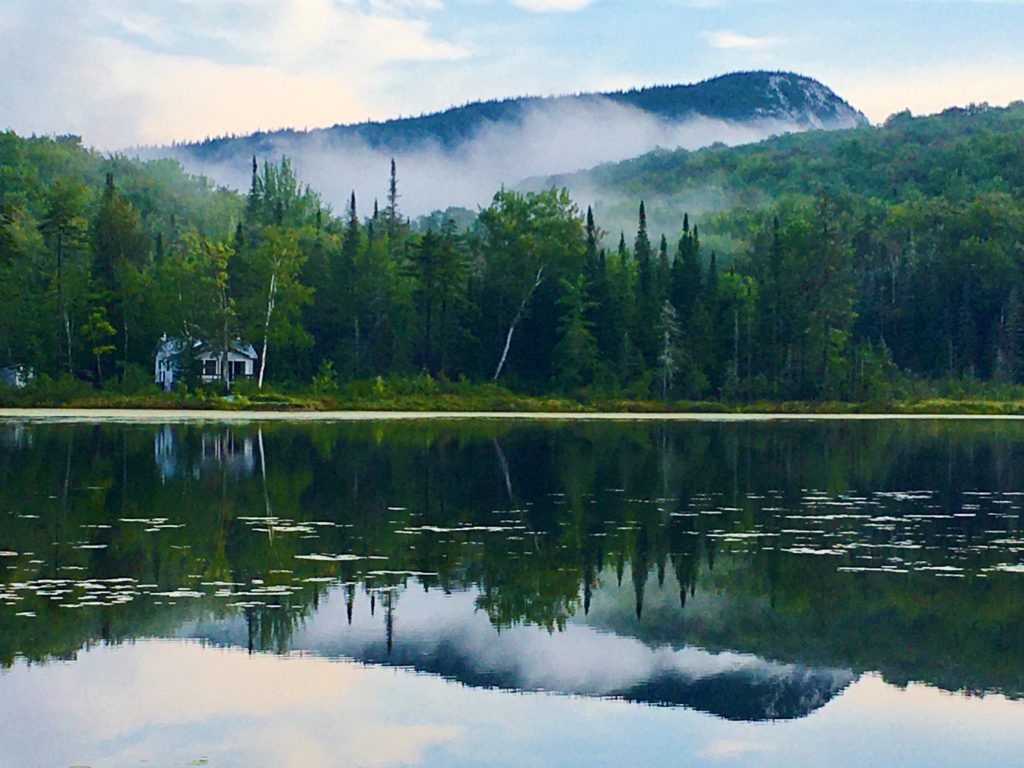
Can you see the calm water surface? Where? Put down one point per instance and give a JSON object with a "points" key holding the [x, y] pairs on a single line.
{"points": [[512, 593]]}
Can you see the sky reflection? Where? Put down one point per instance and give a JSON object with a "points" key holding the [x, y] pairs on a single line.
{"points": [[169, 703]]}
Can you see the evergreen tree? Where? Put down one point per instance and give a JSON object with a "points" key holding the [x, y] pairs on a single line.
{"points": [[590, 252], [645, 314], [119, 249], [576, 353], [664, 274], [65, 230]]}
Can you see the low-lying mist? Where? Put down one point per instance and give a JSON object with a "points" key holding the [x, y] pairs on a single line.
{"points": [[552, 138]]}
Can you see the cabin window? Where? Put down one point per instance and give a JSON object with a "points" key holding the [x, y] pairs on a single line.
{"points": [[237, 369], [209, 367]]}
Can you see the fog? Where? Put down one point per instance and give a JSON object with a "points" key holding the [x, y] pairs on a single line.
{"points": [[553, 137]]}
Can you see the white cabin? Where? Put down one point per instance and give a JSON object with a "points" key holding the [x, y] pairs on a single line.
{"points": [[241, 361], [17, 376]]}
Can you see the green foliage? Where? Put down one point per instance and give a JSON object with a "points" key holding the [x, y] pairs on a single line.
{"points": [[872, 265], [576, 353], [136, 381], [326, 380]]}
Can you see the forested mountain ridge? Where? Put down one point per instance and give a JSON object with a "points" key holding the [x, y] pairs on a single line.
{"points": [[956, 154], [860, 265], [738, 97], [459, 156]]}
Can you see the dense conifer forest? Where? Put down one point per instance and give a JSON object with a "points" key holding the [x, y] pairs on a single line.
{"points": [[855, 265]]}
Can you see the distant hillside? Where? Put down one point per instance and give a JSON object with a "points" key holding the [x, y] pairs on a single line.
{"points": [[739, 97], [956, 154], [461, 155]]}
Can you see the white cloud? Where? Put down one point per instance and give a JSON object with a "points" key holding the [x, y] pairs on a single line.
{"points": [[185, 69], [726, 749], [298, 34], [263, 710], [551, 137], [545, 6], [726, 40]]}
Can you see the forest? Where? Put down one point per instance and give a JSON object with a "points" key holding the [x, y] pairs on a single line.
{"points": [[865, 265]]}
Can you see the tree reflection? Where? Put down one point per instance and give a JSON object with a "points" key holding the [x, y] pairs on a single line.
{"points": [[761, 532]]}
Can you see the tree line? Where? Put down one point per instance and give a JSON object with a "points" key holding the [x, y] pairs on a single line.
{"points": [[830, 295]]}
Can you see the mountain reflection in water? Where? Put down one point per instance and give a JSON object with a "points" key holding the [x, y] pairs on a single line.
{"points": [[751, 571], [444, 634]]}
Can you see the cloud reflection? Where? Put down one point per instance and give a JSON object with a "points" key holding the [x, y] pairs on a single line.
{"points": [[175, 702]]}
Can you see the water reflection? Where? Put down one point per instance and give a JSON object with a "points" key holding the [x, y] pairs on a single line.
{"points": [[212, 450], [443, 634], [174, 704], [750, 571]]}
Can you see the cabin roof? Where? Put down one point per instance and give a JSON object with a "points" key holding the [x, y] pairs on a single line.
{"points": [[170, 346]]}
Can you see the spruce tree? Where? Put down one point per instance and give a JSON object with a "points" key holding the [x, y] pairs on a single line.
{"points": [[664, 279], [590, 254], [646, 302], [392, 220], [576, 352]]}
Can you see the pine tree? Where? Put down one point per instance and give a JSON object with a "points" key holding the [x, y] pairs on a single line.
{"points": [[646, 301], [664, 279], [590, 254], [391, 216], [120, 248], [686, 273], [576, 352]]}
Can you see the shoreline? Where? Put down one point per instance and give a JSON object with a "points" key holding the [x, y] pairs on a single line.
{"points": [[157, 416]]}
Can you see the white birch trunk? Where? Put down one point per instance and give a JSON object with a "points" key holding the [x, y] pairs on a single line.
{"points": [[225, 343], [515, 321], [266, 327]]}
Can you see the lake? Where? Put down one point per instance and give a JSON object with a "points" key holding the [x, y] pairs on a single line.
{"points": [[512, 592]]}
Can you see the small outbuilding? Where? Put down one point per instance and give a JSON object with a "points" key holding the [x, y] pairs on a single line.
{"points": [[17, 376], [169, 364]]}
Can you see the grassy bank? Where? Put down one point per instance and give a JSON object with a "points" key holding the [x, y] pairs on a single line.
{"points": [[423, 394]]}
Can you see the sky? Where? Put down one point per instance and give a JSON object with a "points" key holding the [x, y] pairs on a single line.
{"points": [[124, 73]]}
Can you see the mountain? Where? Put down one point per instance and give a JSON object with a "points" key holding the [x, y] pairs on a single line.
{"points": [[447, 635], [462, 155], [957, 154], [739, 97]]}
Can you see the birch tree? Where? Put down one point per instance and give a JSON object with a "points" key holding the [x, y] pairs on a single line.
{"points": [[194, 299], [528, 239], [275, 313], [65, 229]]}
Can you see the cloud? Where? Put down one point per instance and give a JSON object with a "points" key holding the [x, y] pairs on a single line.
{"points": [[726, 40], [726, 749], [183, 69], [551, 137], [295, 34], [546, 6], [169, 702]]}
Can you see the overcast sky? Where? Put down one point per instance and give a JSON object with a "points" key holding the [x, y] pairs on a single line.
{"points": [[127, 72]]}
